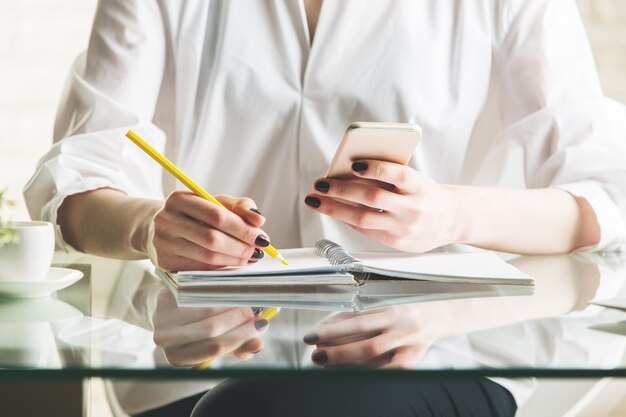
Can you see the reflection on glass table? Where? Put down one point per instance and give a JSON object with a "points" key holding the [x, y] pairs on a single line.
{"points": [[140, 331], [28, 328]]}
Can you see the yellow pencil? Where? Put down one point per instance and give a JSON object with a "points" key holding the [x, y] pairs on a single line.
{"points": [[182, 177], [266, 314]]}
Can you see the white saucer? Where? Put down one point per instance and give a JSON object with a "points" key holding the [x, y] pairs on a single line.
{"points": [[56, 279]]}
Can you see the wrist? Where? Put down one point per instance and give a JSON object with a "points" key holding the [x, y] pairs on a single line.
{"points": [[461, 227], [143, 228]]}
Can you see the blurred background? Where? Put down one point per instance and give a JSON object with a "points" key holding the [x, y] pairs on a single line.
{"points": [[40, 39]]}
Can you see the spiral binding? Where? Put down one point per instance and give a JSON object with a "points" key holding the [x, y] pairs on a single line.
{"points": [[337, 255]]}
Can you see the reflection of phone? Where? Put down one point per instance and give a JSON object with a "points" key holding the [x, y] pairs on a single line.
{"points": [[391, 142]]}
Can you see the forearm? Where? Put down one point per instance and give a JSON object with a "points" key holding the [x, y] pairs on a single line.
{"points": [[562, 284], [534, 221], [107, 222]]}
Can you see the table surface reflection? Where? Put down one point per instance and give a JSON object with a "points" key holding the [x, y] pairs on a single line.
{"points": [[106, 325]]}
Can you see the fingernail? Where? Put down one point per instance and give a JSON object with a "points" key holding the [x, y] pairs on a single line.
{"points": [[254, 353], [256, 211], [322, 186], [320, 357], [252, 261], [311, 338], [262, 241], [359, 166], [312, 201], [261, 324], [258, 253], [256, 310]]}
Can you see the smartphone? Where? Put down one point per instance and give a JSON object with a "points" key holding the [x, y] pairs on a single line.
{"points": [[392, 142]]}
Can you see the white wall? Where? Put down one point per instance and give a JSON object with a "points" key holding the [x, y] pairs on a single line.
{"points": [[40, 38], [606, 25]]}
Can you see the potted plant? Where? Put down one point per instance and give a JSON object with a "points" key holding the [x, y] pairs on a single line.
{"points": [[7, 234]]}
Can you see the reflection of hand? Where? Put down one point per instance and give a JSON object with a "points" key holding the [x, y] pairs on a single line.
{"points": [[394, 337], [193, 335], [418, 214], [191, 233]]}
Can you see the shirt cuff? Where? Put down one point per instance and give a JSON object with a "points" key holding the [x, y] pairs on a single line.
{"points": [[50, 210]]}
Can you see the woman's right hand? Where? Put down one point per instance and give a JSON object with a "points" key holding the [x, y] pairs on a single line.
{"points": [[191, 233], [189, 336]]}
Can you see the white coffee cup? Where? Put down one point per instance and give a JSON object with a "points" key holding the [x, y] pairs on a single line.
{"points": [[29, 258]]}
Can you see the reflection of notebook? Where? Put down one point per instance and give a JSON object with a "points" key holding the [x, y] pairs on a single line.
{"points": [[616, 328], [330, 264], [374, 294], [615, 303]]}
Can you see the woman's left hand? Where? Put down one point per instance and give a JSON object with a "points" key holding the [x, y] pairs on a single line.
{"points": [[396, 337], [416, 215]]}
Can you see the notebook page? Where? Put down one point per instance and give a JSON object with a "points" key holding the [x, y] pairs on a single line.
{"points": [[301, 260], [466, 264]]}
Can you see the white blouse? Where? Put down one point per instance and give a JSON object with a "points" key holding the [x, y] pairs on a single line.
{"points": [[235, 94]]}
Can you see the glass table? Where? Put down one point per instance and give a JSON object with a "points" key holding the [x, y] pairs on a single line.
{"points": [[121, 323]]}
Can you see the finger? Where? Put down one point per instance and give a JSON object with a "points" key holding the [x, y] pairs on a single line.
{"points": [[167, 312], [404, 178], [167, 248], [377, 362], [405, 357], [171, 226], [358, 324], [349, 315], [369, 195], [180, 263], [249, 348], [362, 217], [380, 361], [206, 328], [348, 339], [395, 240], [217, 217], [243, 207], [201, 351], [355, 353], [178, 316], [383, 236]]}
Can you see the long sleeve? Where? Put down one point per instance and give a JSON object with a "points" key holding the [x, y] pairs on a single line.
{"points": [[574, 138], [112, 87]]}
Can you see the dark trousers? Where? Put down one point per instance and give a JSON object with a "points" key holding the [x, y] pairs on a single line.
{"points": [[478, 397]]}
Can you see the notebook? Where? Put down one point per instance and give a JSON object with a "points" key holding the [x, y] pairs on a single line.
{"points": [[329, 264], [374, 294], [614, 303]]}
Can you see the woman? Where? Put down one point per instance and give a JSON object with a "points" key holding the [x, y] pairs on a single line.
{"points": [[251, 99]]}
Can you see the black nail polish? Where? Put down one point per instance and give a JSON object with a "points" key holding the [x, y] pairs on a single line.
{"points": [[252, 261], [320, 357], [256, 310], [256, 211], [312, 201], [258, 254], [261, 324], [359, 166], [322, 186], [262, 241], [311, 338], [254, 353]]}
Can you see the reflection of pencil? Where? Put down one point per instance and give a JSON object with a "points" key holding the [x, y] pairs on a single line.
{"points": [[182, 177], [266, 314]]}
